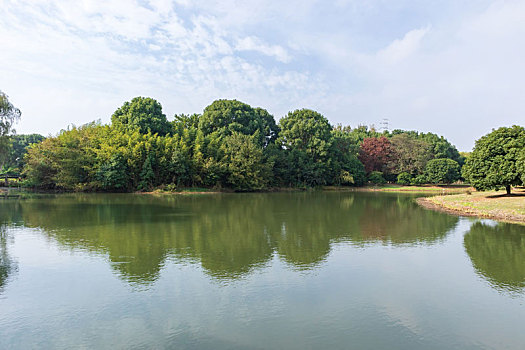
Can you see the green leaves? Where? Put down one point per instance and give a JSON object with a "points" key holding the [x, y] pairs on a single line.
{"points": [[442, 171], [143, 114], [496, 160]]}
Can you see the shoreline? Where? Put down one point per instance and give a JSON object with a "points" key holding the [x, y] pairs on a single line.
{"points": [[471, 206]]}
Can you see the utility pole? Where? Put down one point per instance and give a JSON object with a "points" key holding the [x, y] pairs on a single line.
{"points": [[384, 125]]}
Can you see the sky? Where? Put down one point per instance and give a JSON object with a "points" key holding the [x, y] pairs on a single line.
{"points": [[452, 67]]}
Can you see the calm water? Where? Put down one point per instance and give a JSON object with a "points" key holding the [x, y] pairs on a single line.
{"points": [[256, 271]]}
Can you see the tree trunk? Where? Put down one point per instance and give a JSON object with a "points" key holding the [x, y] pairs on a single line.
{"points": [[508, 189]]}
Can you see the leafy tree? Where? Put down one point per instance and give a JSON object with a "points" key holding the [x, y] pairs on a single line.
{"points": [[9, 115], [228, 116], [438, 146], [19, 144], [306, 135], [377, 154], [494, 161], [345, 166], [246, 167], [113, 174], [442, 170], [147, 176], [404, 178], [412, 154], [143, 114]]}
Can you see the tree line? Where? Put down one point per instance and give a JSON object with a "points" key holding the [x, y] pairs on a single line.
{"points": [[231, 145]]}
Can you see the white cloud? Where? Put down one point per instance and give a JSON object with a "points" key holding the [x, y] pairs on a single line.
{"points": [[455, 69], [403, 48], [254, 44]]}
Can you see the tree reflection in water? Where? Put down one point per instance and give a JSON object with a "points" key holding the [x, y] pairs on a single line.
{"points": [[7, 265], [228, 235], [497, 253]]}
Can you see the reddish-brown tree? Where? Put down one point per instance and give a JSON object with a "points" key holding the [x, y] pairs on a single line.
{"points": [[377, 154]]}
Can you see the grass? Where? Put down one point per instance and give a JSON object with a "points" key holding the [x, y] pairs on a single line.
{"points": [[433, 189], [494, 204]]}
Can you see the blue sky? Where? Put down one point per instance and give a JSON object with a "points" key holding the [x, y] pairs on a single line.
{"points": [[455, 68]]}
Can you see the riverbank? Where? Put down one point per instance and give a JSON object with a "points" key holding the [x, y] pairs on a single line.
{"points": [[431, 189], [491, 205]]}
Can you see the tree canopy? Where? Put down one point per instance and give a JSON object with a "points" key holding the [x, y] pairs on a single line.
{"points": [[229, 116], [9, 115], [494, 161], [143, 114], [230, 145], [442, 170]]}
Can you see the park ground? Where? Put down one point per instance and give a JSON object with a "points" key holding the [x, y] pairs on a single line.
{"points": [[491, 205]]}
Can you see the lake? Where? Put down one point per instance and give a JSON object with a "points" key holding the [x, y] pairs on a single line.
{"points": [[307, 270]]}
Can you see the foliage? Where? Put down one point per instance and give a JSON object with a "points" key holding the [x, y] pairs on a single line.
{"points": [[246, 167], [377, 154], [306, 137], [18, 149], [143, 114], [442, 170], [404, 178], [230, 145], [412, 154], [494, 161], [376, 177], [228, 116], [9, 115], [419, 180]]}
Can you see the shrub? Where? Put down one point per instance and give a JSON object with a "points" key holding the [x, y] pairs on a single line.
{"points": [[419, 180], [404, 178], [442, 171], [376, 177]]}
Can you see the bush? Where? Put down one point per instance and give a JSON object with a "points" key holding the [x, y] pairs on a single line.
{"points": [[404, 178], [376, 177], [442, 170], [419, 180]]}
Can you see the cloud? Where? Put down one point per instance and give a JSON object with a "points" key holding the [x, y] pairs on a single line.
{"points": [[255, 44], [400, 49], [454, 68]]}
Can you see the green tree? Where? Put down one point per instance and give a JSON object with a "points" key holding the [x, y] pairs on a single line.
{"points": [[9, 115], [442, 170], [306, 135], [113, 174], [412, 154], [247, 168], [19, 144], [494, 161], [143, 114], [228, 116]]}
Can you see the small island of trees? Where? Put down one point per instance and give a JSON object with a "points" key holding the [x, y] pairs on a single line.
{"points": [[233, 145]]}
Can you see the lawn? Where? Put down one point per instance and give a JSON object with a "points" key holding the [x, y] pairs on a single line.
{"points": [[493, 204]]}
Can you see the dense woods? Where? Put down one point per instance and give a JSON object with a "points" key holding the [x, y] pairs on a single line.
{"points": [[231, 145]]}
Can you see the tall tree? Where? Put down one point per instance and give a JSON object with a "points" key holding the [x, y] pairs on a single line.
{"points": [[9, 115], [228, 116], [493, 162], [412, 154], [143, 114], [306, 136], [377, 154]]}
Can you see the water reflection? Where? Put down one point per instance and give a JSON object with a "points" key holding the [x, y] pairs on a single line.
{"points": [[228, 235], [7, 264], [497, 252]]}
